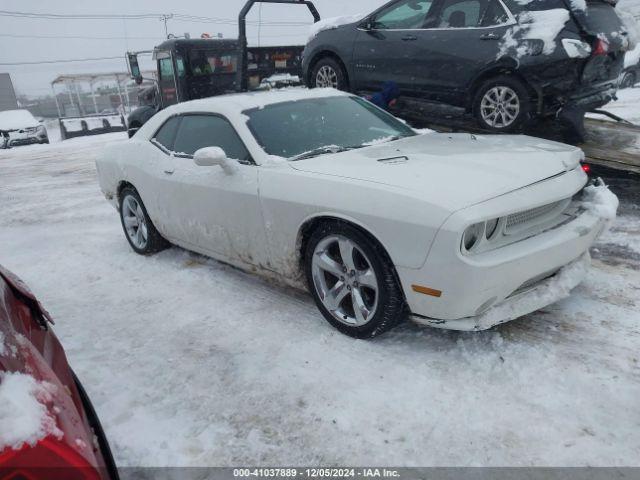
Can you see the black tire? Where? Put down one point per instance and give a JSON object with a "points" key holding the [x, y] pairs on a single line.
{"points": [[514, 85], [628, 80], [154, 242], [332, 65], [391, 307]]}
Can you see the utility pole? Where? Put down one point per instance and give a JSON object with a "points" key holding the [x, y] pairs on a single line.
{"points": [[164, 19]]}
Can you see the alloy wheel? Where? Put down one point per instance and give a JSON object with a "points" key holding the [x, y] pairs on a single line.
{"points": [[326, 77], [500, 107], [344, 280], [134, 222]]}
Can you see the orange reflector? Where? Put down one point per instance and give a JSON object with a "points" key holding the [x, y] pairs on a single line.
{"points": [[426, 290]]}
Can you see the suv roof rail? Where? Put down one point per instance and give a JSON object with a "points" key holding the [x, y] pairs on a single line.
{"points": [[242, 31]]}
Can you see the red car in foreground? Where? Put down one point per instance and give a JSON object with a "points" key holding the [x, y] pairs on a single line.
{"points": [[48, 427]]}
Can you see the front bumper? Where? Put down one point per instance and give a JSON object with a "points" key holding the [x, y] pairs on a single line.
{"points": [[546, 292], [480, 291]]}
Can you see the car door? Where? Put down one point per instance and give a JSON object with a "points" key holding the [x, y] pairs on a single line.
{"points": [[167, 79], [461, 38], [205, 208], [384, 47]]}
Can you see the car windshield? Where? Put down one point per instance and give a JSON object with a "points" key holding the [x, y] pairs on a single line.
{"points": [[307, 128]]}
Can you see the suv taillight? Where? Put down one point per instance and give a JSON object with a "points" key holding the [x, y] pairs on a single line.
{"points": [[600, 47], [49, 459]]}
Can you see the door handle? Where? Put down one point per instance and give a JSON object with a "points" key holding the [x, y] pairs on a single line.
{"points": [[169, 172], [489, 36], [409, 38]]}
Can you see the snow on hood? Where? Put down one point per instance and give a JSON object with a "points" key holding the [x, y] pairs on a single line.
{"points": [[17, 119], [331, 23], [24, 417], [544, 25], [451, 170]]}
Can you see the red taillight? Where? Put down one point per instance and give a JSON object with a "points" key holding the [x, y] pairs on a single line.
{"points": [[600, 47], [49, 459], [586, 168]]}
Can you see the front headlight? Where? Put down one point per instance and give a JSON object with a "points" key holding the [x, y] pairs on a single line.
{"points": [[478, 233], [472, 236]]}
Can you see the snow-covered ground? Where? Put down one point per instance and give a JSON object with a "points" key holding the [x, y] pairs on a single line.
{"points": [[627, 106], [191, 362]]}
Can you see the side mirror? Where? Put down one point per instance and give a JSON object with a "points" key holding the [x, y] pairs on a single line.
{"points": [[134, 67], [367, 25], [211, 156]]}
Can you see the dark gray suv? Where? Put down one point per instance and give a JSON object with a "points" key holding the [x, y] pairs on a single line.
{"points": [[504, 60]]}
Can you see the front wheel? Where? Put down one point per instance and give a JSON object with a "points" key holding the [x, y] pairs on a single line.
{"points": [[502, 104], [138, 228], [352, 281], [328, 73]]}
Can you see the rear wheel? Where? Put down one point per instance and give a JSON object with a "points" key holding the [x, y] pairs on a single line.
{"points": [[628, 80], [328, 73], [502, 104], [138, 228], [352, 281]]}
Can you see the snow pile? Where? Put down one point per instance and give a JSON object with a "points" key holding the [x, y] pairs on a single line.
{"points": [[24, 418], [579, 5], [331, 23], [17, 119], [601, 201], [543, 25]]}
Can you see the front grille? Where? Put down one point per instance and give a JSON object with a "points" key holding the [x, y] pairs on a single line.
{"points": [[531, 217]]}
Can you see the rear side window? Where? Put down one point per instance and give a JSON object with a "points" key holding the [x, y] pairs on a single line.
{"points": [[495, 14], [460, 14], [200, 131], [166, 135], [405, 14]]}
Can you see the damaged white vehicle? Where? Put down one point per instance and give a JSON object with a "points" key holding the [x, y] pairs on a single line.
{"points": [[322, 189]]}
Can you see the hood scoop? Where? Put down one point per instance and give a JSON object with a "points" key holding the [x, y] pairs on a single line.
{"points": [[394, 160]]}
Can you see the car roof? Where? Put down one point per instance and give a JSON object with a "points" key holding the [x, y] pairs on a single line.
{"points": [[239, 102], [15, 119]]}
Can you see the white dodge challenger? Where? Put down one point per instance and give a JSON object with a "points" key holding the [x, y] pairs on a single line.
{"points": [[323, 190]]}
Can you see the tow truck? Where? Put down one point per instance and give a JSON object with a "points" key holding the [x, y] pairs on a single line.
{"points": [[188, 69]]}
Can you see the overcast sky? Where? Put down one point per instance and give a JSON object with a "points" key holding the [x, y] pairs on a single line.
{"points": [[108, 38]]}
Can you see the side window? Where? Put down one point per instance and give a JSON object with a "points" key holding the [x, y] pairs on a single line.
{"points": [[199, 131], [166, 68], [405, 14], [180, 66], [205, 62], [166, 135], [495, 14], [459, 14]]}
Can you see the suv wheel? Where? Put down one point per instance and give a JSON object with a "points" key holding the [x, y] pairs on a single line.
{"points": [[328, 73], [501, 104], [352, 281], [138, 228], [628, 80]]}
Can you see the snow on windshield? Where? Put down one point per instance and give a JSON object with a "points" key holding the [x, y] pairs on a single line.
{"points": [[24, 417], [16, 119], [330, 23], [544, 25]]}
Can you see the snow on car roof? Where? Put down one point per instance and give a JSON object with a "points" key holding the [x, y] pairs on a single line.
{"points": [[16, 119], [239, 102]]}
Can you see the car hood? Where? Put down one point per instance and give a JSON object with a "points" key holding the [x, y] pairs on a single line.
{"points": [[453, 171]]}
